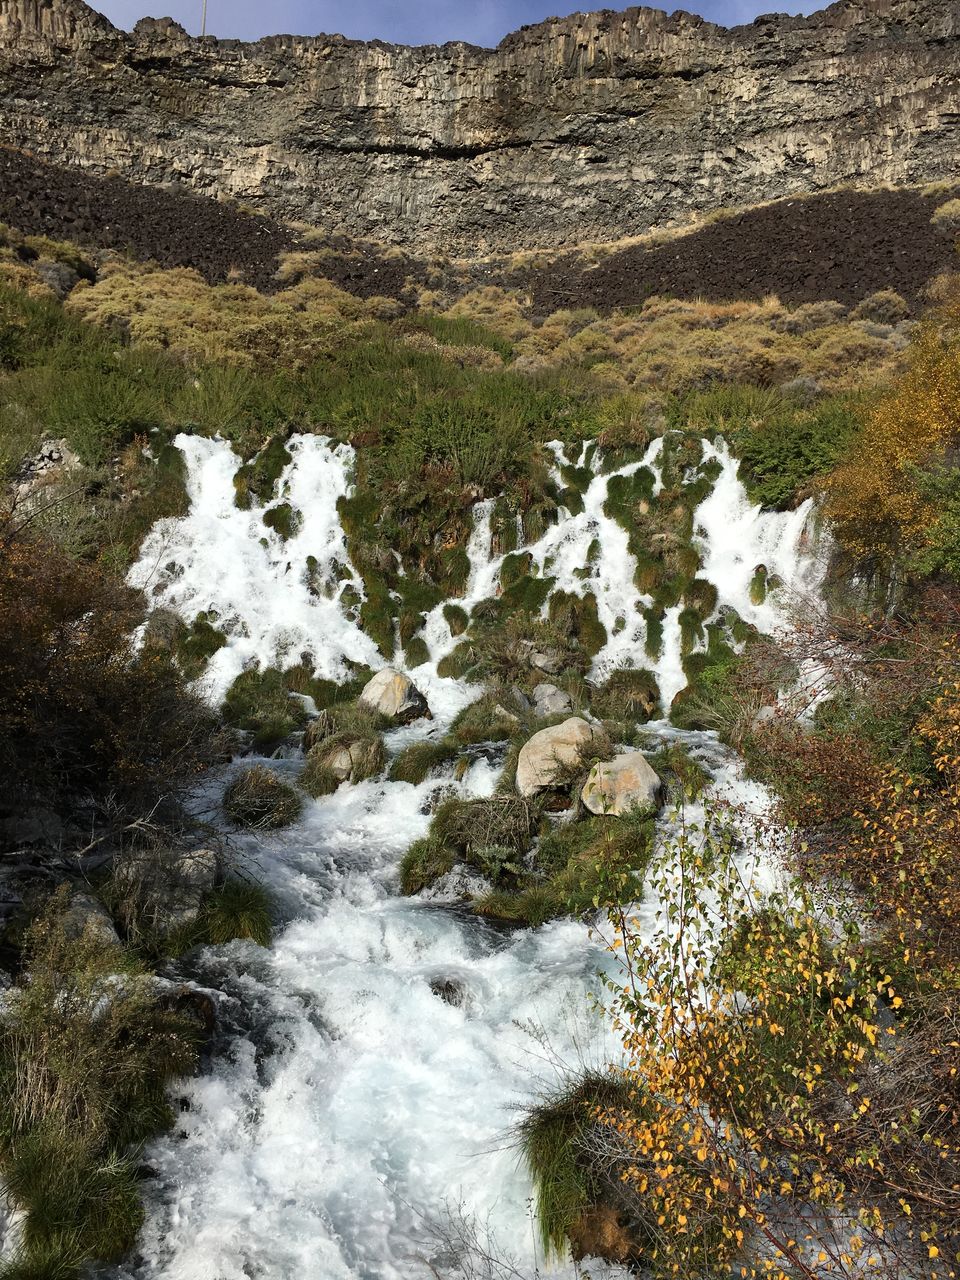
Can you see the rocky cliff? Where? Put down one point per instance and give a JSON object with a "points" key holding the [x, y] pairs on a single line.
{"points": [[594, 126]]}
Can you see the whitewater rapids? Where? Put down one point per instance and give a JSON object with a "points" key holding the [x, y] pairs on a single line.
{"points": [[356, 1123]]}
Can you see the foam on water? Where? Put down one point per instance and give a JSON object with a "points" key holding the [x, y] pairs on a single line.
{"points": [[355, 1116], [226, 562]]}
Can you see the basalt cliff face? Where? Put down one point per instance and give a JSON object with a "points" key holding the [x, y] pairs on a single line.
{"points": [[590, 127]]}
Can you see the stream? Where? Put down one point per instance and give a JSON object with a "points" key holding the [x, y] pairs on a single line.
{"points": [[356, 1123]]}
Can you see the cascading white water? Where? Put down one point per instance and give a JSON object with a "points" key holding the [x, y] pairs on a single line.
{"points": [[357, 1124]]}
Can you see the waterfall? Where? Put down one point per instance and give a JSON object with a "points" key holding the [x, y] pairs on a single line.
{"points": [[355, 1124]]}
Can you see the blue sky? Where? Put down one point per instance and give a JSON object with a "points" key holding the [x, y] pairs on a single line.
{"points": [[403, 21]]}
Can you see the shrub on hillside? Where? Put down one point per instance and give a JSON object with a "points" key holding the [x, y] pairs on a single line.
{"points": [[86, 1054], [82, 720]]}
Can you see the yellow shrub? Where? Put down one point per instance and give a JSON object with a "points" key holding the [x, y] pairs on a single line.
{"points": [[873, 499]]}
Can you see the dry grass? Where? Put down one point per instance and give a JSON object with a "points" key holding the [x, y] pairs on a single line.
{"points": [[178, 309]]}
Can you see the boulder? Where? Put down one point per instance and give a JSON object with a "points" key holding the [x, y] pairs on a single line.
{"points": [[353, 761], [164, 889], [548, 700], [549, 661], [86, 915], [547, 758], [395, 696], [625, 784]]}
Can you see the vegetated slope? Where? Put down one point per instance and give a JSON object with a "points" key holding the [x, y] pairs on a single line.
{"points": [[842, 245]]}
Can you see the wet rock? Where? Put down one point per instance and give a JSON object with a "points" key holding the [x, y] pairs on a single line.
{"points": [[602, 1232], [625, 784], [450, 990], [395, 696], [548, 757], [353, 761], [163, 630], [548, 700], [86, 915]]}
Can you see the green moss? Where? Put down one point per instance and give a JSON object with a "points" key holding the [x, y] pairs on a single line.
{"points": [[526, 594], [515, 567], [459, 664], [377, 615], [555, 1138], [691, 630], [256, 480], [283, 520], [686, 778], [653, 643], [504, 526], [758, 585], [367, 758], [237, 910], [485, 720], [702, 597], [197, 644], [425, 862], [456, 619], [576, 618], [416, 652], [629, 497], [258, 798]]}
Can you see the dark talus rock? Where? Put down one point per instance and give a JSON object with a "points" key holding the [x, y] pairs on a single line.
{"points": [[589, 127]]}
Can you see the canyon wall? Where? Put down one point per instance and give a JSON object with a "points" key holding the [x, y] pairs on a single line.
{"points": [[590, 127]]}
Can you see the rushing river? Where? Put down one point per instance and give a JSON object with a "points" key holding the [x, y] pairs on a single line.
{"points": [[356, 1122]]}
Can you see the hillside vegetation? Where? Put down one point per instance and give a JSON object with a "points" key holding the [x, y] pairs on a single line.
{"points": [[826, 1072]]}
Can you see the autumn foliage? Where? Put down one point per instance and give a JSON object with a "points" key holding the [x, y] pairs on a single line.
{"points": [[882, 501]]}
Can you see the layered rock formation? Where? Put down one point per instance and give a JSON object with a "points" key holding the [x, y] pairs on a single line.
{"points": [[590, 127]]}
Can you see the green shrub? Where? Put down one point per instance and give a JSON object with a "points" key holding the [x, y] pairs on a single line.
{"points": [[257, 798]]}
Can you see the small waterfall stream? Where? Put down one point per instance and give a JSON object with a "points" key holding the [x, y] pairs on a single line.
{"points": [[356, 1125]]}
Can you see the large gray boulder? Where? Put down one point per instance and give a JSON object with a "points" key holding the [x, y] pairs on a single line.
{"points": [[395, 696], [625, 784], [548, 757], [548, 700]]}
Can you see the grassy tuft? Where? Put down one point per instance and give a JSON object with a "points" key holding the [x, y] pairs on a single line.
{"points": [[257, 798]]}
